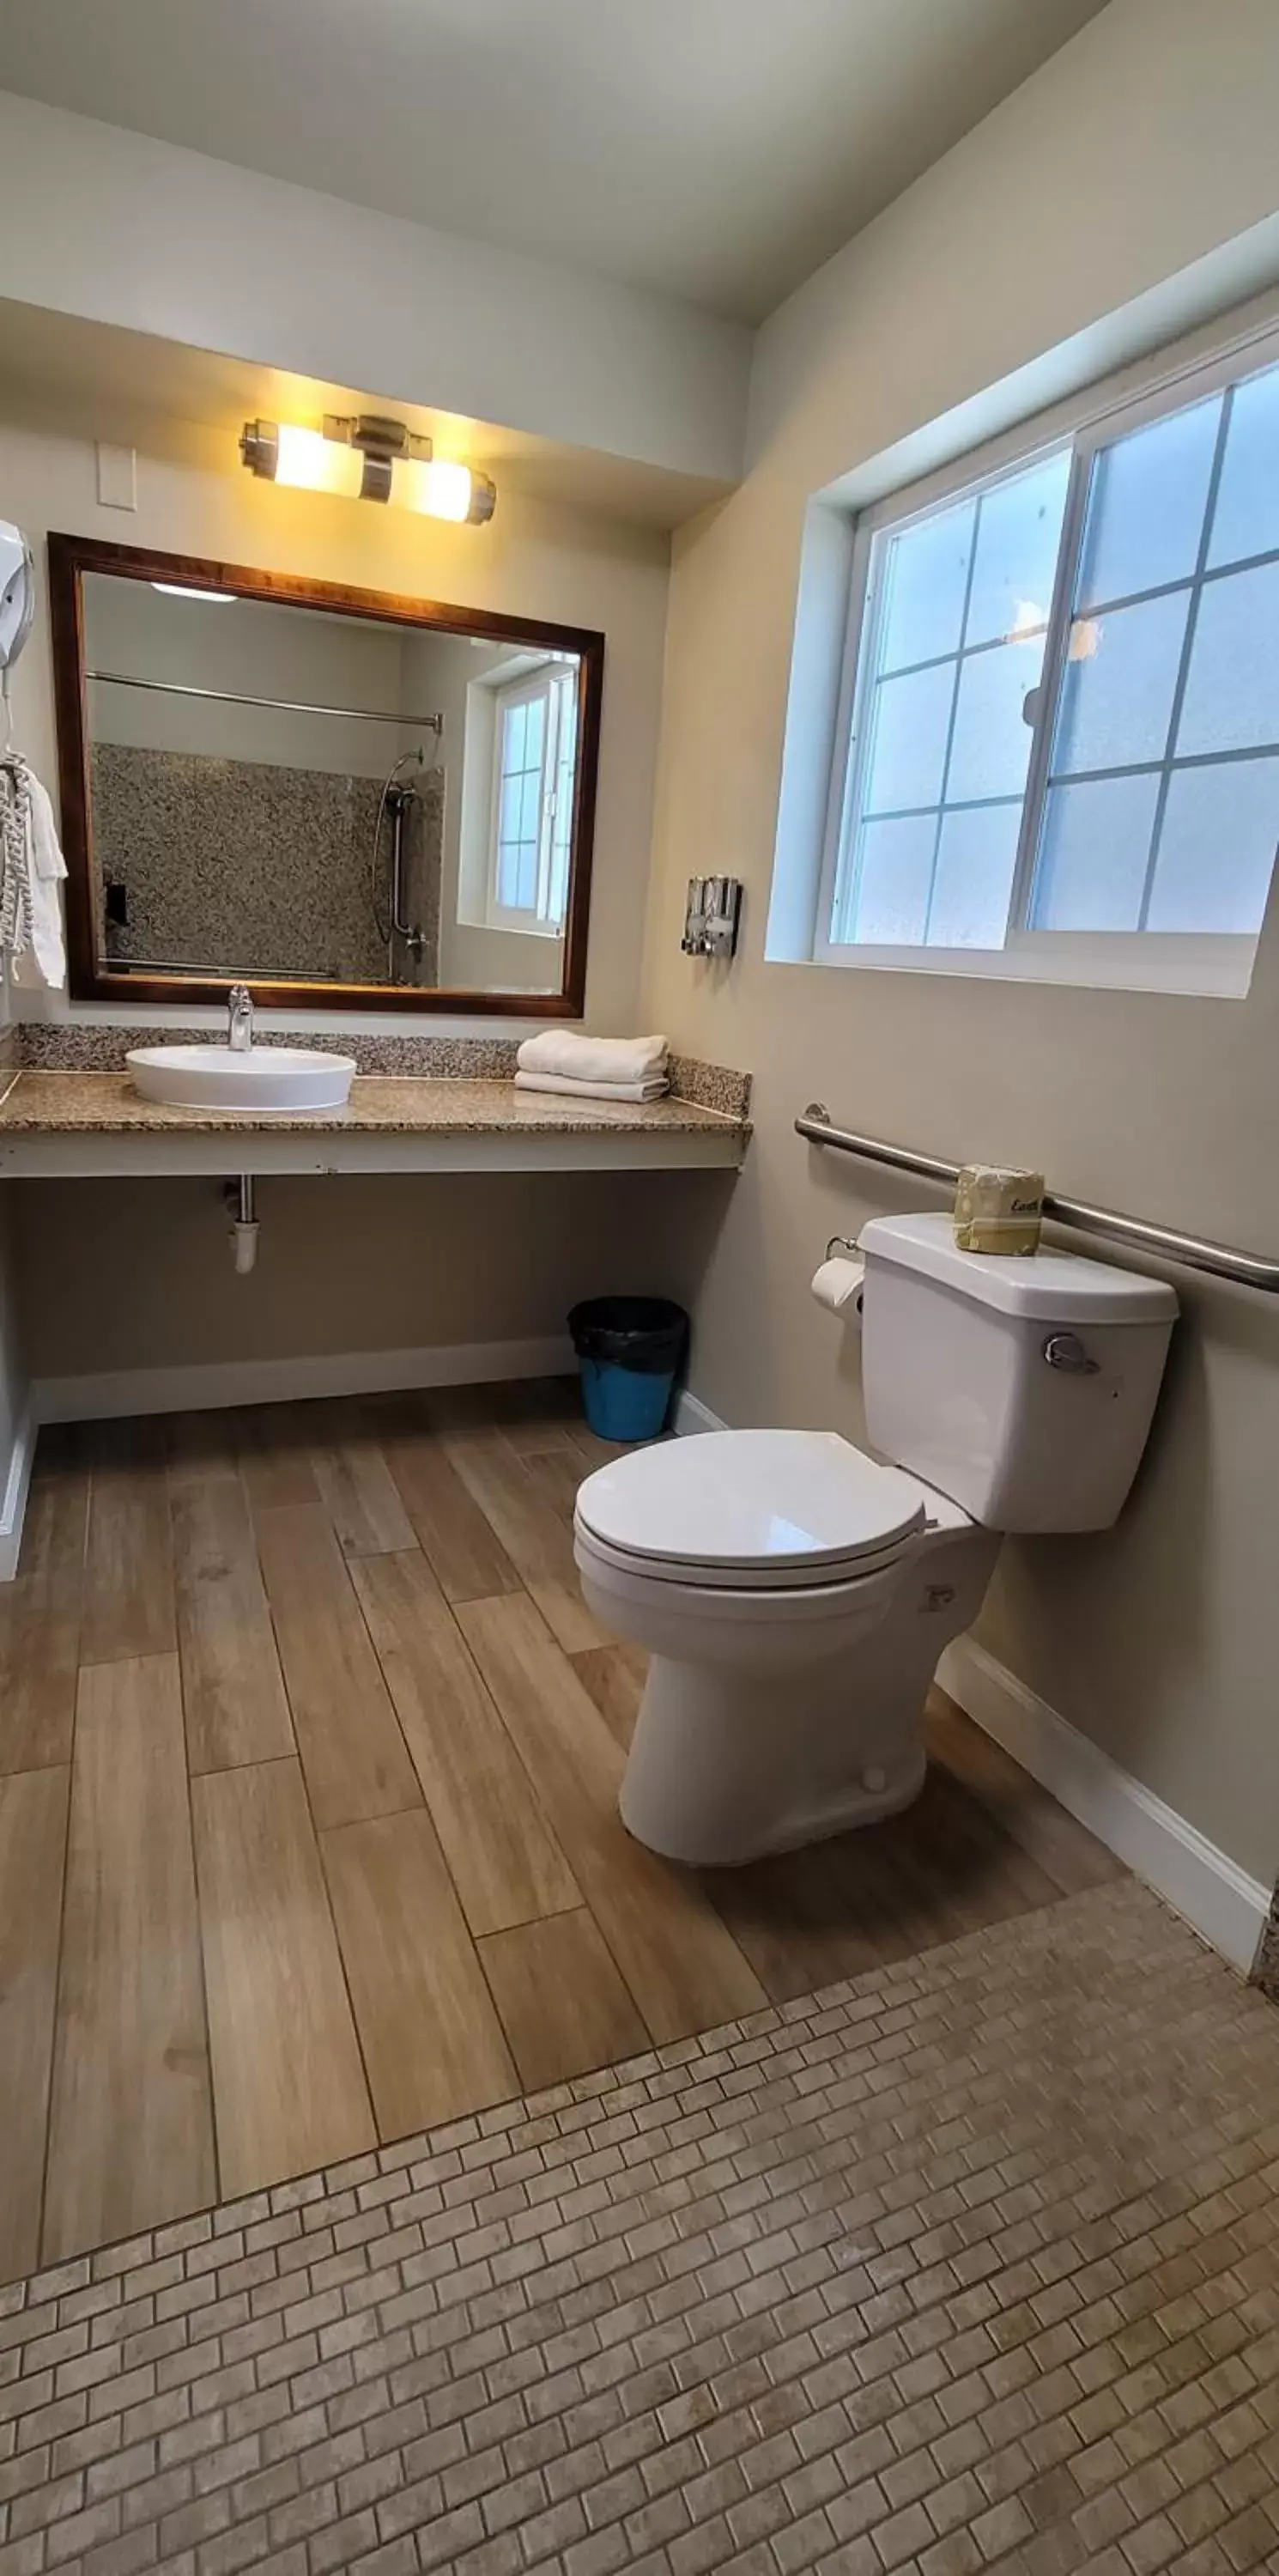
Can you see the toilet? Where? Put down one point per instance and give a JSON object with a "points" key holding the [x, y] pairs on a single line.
{"points": [[794, 1594]]}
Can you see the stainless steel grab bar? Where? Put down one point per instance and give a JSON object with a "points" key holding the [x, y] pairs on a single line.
{"points": [[1247, 1269]]}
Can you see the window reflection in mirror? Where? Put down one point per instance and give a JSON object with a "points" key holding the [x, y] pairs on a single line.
{"points": [[285, 793]]}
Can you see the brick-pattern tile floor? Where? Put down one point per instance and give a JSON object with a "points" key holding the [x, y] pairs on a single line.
{"points": [[969, 2264]]}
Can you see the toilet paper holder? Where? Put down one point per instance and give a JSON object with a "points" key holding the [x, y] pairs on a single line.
{"points": [[840, 1243]]}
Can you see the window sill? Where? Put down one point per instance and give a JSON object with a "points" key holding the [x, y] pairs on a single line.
{"points": [[1216, 968], [510, 924]]}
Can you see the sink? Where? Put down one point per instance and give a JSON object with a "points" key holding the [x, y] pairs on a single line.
{"points": [[259, 1077]]}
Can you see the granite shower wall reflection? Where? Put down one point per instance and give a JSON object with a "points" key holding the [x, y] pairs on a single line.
{"points": [[247, 867]]}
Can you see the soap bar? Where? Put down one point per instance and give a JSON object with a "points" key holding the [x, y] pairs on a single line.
{"points": [[998, 1211]]}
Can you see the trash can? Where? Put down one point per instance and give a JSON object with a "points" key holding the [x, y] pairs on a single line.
{"points": [[630, 1350]]}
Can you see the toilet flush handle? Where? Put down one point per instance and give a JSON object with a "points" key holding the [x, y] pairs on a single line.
{"points": [[1066, 1352]]}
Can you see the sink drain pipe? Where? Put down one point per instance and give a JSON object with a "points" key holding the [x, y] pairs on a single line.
{"points": [[244, 1224]]}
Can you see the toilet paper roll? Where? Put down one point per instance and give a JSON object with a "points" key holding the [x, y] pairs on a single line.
{"points": [[998, 1210], [838, 1285]]}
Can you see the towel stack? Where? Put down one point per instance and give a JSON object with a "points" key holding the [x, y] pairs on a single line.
{"points": [[593, 1068]]}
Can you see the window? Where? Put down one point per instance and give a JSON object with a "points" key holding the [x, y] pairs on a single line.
{"points": [[1059, 751], [534, 762]]}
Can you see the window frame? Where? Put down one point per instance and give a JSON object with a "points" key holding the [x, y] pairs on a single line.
{"points": [[1212, 962], [552, 683]]}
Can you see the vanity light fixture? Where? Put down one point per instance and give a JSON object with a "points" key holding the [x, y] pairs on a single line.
{"points": [[184, 590], [363, 457]]}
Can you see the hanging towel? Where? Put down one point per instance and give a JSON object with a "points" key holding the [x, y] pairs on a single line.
{"points": [[15, 857], [31, 868], [583, 1059], [651, 1090]]}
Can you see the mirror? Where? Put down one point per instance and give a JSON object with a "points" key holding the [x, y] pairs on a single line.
{"points": [[320, 792]]}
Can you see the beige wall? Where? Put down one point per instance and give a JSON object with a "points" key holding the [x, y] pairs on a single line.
{"points": [[138, 1275], [533, 560], [1146, 145]]}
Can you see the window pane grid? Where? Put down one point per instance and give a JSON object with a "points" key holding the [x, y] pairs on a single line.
{"points": [[519, 804], [973, 543], [954, 805], [1187, 649], [1124, 812], [1168, 589], [1155, 768], [534, 797], [1065, 775], [950, 721], [990, 644]]}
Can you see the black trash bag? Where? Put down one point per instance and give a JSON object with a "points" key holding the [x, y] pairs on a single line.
{"points": [[646, 1334]]}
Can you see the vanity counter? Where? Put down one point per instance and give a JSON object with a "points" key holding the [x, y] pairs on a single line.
{"points": [[56, 1125]]}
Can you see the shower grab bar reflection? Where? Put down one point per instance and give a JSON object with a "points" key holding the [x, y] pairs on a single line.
{"points": [[1192, 1251], [278, 706]]}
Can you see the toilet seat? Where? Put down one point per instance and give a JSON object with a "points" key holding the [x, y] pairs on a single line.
{"points": [[751, 1510]]}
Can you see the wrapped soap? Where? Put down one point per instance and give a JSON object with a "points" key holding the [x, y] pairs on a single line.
{"points": [[997, 1210]]}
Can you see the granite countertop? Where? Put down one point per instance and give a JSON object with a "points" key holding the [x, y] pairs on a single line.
{"points": [[107, 1104]]}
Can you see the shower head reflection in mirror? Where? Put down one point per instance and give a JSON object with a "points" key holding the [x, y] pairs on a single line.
{"points": [[379, 799]]}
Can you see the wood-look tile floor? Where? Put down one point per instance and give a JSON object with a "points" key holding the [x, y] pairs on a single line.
{"points": [[309, 1758]]}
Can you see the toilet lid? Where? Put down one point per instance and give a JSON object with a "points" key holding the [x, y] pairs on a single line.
{"points": [[775, 1501]]}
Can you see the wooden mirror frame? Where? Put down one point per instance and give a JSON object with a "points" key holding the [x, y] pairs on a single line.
{"points": [[89, 980]]}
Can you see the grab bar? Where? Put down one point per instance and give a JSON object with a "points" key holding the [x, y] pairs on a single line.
{"points": [[1247, 1269]]}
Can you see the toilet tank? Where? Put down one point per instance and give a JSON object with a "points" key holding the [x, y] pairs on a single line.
{"points": [[1023, 1389]]}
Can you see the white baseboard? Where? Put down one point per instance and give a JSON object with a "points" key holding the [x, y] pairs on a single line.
{"points": [[1201, 1883], [286, 1381], [202, 1389], [13, 1498], [692, 1415]]}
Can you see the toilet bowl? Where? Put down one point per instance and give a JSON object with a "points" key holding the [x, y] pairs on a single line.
{"points": [[793, 1597]]}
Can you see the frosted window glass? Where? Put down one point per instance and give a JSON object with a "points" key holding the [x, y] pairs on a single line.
{"points": [[910, 719], [1217, 848], [1018, 536], [895, 872], [530, 805], [1246, 519], [1092, 861], [975, 864], [1117, 694], [510, 809], [513, 739], [1232, 694], [1146, 506], [991, 746], [925, 578]]}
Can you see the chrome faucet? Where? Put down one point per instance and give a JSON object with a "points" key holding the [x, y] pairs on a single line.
{"points": [[240, 1019]]}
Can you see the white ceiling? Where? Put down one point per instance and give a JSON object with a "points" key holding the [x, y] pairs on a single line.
{"points": [[715, 150]]}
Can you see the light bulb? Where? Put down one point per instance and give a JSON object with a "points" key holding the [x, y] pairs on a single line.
{"points": [[310, 462], [441, 489], [363, 461]]}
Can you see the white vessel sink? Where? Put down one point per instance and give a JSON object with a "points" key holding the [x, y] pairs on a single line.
{"points": [[258, 1077]]}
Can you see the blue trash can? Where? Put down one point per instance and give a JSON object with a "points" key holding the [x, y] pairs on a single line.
{"points": [[630, 1351]]}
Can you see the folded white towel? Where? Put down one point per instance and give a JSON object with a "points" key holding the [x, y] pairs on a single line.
{"points": [[583, 1059], [651, 1090]]}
